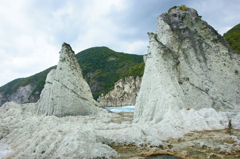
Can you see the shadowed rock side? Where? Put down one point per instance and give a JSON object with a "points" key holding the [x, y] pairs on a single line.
{"points": [[66, 92], [124, 93], [189, 65]]}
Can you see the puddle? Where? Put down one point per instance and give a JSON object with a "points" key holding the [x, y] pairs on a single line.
{"points": [[162, 157], [127, 151]]}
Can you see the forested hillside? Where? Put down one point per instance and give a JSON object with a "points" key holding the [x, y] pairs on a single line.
{"points": [[101, 68], [233, 37], [37, 79], [137, 70]]}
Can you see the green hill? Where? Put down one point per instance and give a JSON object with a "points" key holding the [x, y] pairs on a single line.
{"points": [[37, 79], [137, 70], [104, 66], [233, 37], [101, 68]]}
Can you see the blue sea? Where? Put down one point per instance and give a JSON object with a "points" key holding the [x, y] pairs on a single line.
{"points": [[121, 109]]}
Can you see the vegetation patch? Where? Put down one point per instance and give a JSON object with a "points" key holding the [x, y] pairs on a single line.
{"points": [[108, 64], [183, 8], [96, 95], [233, 38], [37, 79], [174, 7], [137, 70], [123, 94]]}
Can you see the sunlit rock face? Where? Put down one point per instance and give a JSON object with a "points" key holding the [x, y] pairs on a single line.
{"points": [[189, 65], [66, 92], [124, 93]]}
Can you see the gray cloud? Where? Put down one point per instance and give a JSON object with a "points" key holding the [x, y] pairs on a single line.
{"points": [[32, 31]]}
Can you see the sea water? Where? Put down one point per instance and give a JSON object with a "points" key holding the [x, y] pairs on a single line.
{"points": [[121, 109]]}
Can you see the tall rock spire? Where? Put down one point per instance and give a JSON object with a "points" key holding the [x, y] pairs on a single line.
{"points": [[66, 92], [188, 65]]}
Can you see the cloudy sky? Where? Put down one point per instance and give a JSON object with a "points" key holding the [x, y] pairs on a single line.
{"points": [[32, 31]]}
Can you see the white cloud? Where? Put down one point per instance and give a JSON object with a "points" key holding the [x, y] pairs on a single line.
{"points": [[220, 14], [25, 49], [100, 30], [32, 31], [137, 47]]}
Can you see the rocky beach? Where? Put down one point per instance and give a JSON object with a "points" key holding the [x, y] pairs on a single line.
{"points": [[188, 104]]}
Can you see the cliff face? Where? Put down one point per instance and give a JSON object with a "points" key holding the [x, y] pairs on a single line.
{"points": [[124, 93], [93, 83], [189, 65], [34, 97], [20, 96]]}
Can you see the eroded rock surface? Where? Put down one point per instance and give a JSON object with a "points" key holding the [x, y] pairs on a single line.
{"points": [[124, 93], [106, 135], [34, 136], [66, 92], [189, 65]]}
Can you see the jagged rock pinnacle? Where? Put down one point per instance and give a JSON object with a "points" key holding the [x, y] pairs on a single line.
{"points": [[188, 65], [66, 92]]}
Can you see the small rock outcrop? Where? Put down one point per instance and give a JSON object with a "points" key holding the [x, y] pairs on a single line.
{"points": [[124, 93], [189, 65], [66, 92]]}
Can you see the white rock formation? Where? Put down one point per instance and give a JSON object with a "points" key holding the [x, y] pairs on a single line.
{"points": [[235, 121], [34, 136], [160, 109], [66, 92], [188, 65], [4, 149], [124, 93]]}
